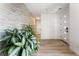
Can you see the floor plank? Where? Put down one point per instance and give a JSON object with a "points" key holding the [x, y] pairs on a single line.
{"points": [[54, 48]]}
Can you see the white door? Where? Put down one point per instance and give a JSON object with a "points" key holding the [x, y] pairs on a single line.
{"points": [[49, 26]]}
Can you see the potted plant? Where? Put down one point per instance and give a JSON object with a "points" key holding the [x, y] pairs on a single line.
{"points": [[19, 42]]}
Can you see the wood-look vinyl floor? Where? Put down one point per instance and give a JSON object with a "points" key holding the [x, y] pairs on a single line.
{"points": [[54, 48]]}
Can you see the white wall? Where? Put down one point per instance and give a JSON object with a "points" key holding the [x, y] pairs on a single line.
{"points": [[13, 15], [74, 27], [49, 28]]}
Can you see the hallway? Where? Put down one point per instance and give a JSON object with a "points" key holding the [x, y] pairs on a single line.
{"points": [[52, 21], [54, 48]]}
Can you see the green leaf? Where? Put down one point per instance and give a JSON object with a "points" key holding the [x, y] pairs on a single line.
{"points": [[19, 36], [5, 38], [4, 49], [23, 40], [26, 44], [9, 31], [11, 49], [23, 52], [31, 43], [29, 49], [15, 30], [13, 39], [15, 52], [34, 38], [36, 46], [27, 52], [19, 44], [34, 41]]}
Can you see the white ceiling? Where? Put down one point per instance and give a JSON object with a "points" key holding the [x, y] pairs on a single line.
{"points": [[37, 8]]}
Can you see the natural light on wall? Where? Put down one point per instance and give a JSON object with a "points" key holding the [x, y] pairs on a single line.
{"points": [[33, 20], [37, 17]]}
